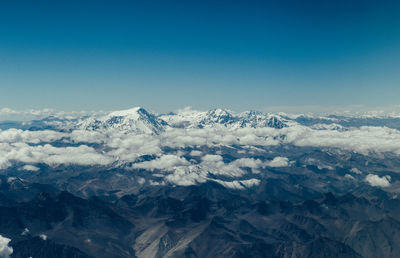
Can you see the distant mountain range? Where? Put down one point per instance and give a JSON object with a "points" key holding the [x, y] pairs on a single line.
{"points": [[200, 184], [139, 120]]}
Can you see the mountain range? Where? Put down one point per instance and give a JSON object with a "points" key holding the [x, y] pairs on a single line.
{"points": [[200, 184]]}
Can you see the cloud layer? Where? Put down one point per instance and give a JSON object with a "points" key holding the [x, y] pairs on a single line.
{"points": [[178, 153]]}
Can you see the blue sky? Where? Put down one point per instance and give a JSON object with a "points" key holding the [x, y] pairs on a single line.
{"points": [[165, 55]]}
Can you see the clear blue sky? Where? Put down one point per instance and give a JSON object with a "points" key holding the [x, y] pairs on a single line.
{"points": [[165, 55]]}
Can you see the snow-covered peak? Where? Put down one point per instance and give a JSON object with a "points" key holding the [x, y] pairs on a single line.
{"points": [[218, 112], [198, 119], [135, 112], [184, 118], [218, 116], [258, 119], [134, 120]]}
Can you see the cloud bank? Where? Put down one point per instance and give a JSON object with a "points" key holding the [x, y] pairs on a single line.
{"points": [[180, 153]]}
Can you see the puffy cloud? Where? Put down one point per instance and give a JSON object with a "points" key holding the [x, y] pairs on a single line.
{"points": [[186, 173], [375, 180], [209, 158], [165, 162], [363, 140], [248, 162], [278, 162], [8, 111], [16, 135], [30, 168], [189, 175], [117, 147], [43, 236], [4, 162], [5, 250], [80, 155], [141, 180], [254, 164], [87, 136], [195, 153], [128, 147], [50, 155], [215, 165], [356, 171]]}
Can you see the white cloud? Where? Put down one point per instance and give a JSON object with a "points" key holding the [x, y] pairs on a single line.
{"points": [[195, 153], [24, 115], [12, 179], [165, 162], [87, 136], [209, 158], [250, 183], [254, 164], [348, 176], [8, 111], [16, 135], [363, 140], [375, 180], [189, 175], [239, 184], [30, 168], [43, 236], [4, 162], [5, 250], [128, 147], [25, 232], [119, 148], [278, 162], [248, 162], [215, 165], [356, 171], [80, 155], [230, 184], [50, 155]]}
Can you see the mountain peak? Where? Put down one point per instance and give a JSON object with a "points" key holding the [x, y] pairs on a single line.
{"points": [[220, 116], [136, 111], [136, 120]]}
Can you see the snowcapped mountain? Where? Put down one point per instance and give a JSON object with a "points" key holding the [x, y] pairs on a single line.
{"points": [[134, 120], [200, 119], [137, 120], [257, 119], [218, 116]]}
